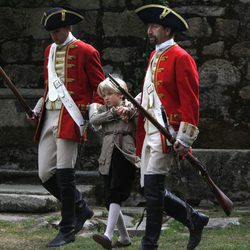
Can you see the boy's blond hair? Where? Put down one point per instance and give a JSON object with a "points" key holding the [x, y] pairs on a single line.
{"points": [[108, 85]]}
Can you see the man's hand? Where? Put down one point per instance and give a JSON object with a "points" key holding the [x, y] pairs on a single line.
{"points": [[180, 149], [33, 119]]}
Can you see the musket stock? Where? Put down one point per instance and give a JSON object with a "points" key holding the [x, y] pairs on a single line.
{"points": [[13, 88], [223, 200]]}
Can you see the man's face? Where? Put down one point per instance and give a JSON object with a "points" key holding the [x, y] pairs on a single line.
{"points": [[157, 34], [59, 35]]}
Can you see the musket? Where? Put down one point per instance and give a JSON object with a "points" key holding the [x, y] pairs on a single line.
{"points": [[223, 200], [13, 88]]}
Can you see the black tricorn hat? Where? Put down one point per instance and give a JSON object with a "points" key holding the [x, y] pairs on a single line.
{"points": [[163, 15], [58, 17]]}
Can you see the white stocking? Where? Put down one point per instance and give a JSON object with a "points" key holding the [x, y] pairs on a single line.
{"points": [[114, 211], [124, 237]]}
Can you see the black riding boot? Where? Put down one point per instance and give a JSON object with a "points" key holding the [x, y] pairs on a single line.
{"points": [[51, 186], [184, 213], [154, 193], [82, 211], [66, 182]]}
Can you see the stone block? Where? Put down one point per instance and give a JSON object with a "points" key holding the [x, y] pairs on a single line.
{"points": [[216, 76], [34, 198], [248, 71], [87, 26], [245, 92], [114, 4], [120, 54], [226, 27], [13, 118], [218, 72], [214, 49], [241, 49], [123, 24], [201, 10], [11, 112], [28, 203], [14, 18], [14, 51], [227, 168], [25, 76], [198, 27]]}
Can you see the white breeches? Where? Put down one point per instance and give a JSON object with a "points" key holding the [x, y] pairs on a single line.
{"points": [[54, 152], [153, 161]]}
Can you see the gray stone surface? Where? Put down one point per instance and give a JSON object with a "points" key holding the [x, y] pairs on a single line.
{"points": [[114, 4], [245, 92], [248, 71], [245, 1], [88, 25], [214, 49], [27, 203], [10, 217], [229, 169], [217, 77], [33, 198], [14, 18], [199, 27], [227, 27], [223, 222], [120, 54], [119, 24], [201, 10], [241, 49], [218, 72], [86, 4], [25, 75], [14, 118], [15, 51]]}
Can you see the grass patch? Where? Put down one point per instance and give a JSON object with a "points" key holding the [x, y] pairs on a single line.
{"points": [[32, 235]]}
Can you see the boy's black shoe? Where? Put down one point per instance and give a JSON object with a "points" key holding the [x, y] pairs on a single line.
{"points": [[103, 240]]}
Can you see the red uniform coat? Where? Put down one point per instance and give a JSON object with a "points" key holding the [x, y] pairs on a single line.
{"points": [[177, 85], [83, 73]]}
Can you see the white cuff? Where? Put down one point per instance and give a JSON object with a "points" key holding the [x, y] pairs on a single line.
{"points": [[37, 109], [187, 134]]}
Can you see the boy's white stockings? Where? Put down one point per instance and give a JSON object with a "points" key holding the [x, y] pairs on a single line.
{"points": [[114, 211], [115, 217], [124, 237]]}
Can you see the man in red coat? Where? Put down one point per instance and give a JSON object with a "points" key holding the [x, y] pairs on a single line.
{"points": [[171, 82], [72, 72]]}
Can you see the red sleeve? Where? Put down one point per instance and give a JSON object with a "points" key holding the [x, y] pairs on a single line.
{"points": [[95, 74], [188, 88]]}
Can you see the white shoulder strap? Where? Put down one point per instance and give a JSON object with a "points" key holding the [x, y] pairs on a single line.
{"points": [[69, 104]]}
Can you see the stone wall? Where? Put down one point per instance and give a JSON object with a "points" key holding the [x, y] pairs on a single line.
{"points": [[218, 39]]}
